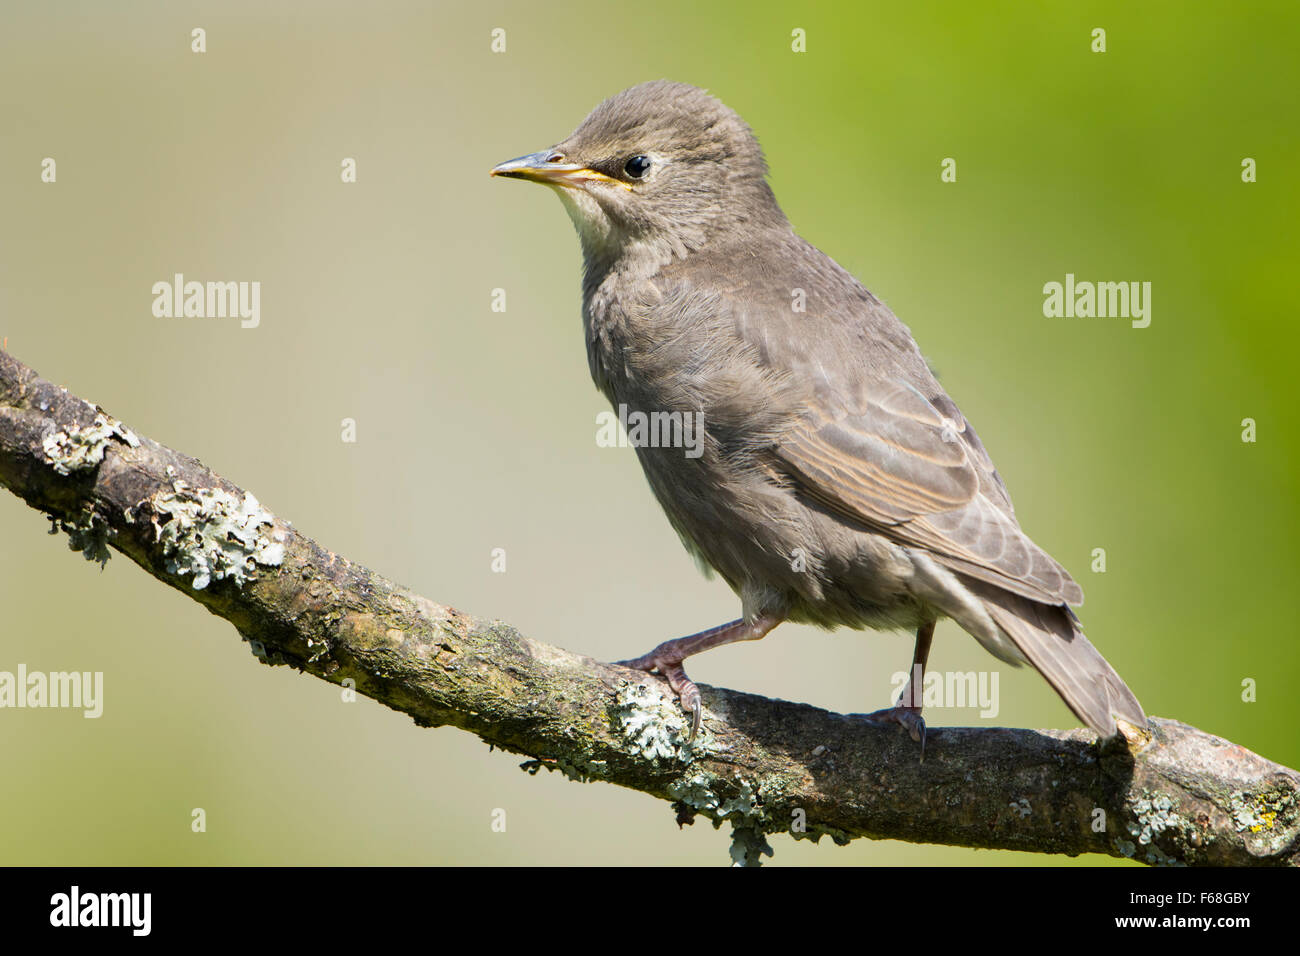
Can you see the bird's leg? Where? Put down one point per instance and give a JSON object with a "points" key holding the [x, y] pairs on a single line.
{"points": [[667, 658], [907, 711]]}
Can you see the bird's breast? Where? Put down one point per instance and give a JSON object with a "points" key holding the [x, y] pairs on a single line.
{"points": [[702, 412]]}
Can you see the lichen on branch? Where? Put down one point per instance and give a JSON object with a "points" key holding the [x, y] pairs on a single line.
{"points": [[1174, 796]]}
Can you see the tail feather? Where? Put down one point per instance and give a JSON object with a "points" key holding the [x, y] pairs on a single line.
{"points": [[1052, 640]]}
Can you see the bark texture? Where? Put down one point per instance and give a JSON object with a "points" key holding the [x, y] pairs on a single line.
{"points": [[1174, 796]]}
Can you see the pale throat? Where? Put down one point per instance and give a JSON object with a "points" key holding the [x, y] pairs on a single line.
{"points": [[600, 238], [604, 242]]}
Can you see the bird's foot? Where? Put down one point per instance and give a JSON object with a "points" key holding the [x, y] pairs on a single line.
{"points": [[909, 718], [675, 674]]}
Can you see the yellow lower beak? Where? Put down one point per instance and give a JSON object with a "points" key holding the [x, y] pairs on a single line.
{"points": [[548, 167]]}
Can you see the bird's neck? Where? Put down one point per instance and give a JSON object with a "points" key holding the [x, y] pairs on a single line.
{"points": [[608, 250]]}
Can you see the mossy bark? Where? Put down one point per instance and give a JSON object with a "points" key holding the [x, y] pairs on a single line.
{"points": [[1173, 795]]}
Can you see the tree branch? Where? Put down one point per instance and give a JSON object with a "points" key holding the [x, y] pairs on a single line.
{"points": [[766, 766]]}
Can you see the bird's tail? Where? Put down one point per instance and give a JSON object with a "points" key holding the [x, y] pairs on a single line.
{"points": [[1052, 640]]}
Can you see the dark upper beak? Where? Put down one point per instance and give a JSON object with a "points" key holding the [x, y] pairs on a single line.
{"points": [[549, 167]]}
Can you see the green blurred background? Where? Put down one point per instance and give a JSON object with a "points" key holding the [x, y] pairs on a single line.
{"points": [[476, 429]]}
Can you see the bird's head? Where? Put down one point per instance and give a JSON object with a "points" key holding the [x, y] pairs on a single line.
{"points": [[660, 168]]}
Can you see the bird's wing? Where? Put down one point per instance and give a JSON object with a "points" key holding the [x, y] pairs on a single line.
{"points": [[880, 442], [911, 467]]}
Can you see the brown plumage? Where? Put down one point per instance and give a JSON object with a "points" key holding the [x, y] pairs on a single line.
{"points": [[838, 484]]}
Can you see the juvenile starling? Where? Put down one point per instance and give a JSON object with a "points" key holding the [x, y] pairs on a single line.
{"points": [[838, 483]]}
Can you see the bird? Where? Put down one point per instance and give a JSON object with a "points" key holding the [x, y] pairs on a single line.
{"points": [[836, 483]]}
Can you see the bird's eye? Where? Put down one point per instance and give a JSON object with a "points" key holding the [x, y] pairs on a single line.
{"points": [[637, 166]]}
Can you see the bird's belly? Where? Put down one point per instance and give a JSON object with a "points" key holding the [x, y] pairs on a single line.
{"points": [[780, 554]]}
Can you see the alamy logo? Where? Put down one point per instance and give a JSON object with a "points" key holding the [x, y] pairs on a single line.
{"points": [[949, 689], [73, 689], [102, 909], [1120, 300], [651, 430], [208, 300]]}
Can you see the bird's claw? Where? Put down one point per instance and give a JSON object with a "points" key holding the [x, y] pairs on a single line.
{"points": [[675, 674], [909, 718]]}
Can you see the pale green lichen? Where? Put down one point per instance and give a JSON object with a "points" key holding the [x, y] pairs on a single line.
{"points": [[696, 791], [89, 534], [749, 824], [1158, 857], [748, 846], [578, 768], [744, 804], [748, 839], [214, 535], [82, 447], [1154, 816], [1157, 814], [1255, 814], [653, 726]]}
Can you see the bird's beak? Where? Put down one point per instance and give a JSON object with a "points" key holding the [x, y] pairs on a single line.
{"points": [[549, 167]]}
